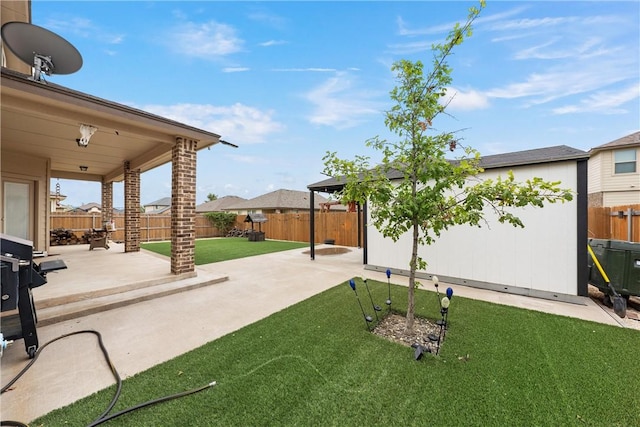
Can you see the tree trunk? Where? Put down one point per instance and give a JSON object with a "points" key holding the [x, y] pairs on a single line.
{"points": [[412, 278]]}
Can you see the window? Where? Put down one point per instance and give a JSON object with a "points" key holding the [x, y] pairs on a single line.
{"points": [[625, 161]]}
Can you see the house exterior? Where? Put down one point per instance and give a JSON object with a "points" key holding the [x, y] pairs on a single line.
{"points": [[279, 201], [92, 207], [219, 204], [614, 172], [547, 258], [158, 206], [55, 202], [40, 130]]}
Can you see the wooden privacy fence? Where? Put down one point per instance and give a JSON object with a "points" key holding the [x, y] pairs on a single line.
{"points": [[615, 223], [342, 227]]}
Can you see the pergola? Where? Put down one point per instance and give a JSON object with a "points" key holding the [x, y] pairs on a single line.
{"points": [[332, 186]]}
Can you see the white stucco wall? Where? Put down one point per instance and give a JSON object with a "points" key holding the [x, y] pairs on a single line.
{"points": [[540, 257]]}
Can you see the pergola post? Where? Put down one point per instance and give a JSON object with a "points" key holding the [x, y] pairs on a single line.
{"points": [[312, 225]]}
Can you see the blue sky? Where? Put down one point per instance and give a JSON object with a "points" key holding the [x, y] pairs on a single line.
{"points": [[289, 81]]}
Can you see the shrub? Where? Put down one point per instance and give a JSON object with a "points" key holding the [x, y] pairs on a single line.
{"points": [[223, 221]]}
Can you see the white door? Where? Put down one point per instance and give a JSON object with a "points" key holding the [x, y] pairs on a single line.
{"points": [[18, 209]]}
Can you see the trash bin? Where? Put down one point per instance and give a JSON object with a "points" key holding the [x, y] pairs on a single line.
{"points": [[620, 261]]}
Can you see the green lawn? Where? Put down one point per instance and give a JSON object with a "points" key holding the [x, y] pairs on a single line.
{"points": [[315, 364], [224, 249]]}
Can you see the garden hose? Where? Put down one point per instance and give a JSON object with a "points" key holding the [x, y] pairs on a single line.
{"points": [[104, 417]]}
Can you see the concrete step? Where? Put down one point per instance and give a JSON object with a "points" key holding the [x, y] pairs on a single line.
{"points": [[79, 305]]}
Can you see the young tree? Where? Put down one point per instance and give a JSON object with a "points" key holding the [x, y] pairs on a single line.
{"points": [[430, 193], [211, 197]]}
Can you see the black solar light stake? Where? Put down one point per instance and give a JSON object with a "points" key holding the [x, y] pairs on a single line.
{"points": [[367, 319], [376, 308], [388, 301]]}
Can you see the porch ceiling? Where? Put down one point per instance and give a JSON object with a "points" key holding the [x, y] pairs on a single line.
{"points": [[43, 120]]}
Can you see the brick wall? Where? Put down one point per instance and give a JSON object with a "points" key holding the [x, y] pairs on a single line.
{"points": [[131, 208], [183, 205], [107, 201]]}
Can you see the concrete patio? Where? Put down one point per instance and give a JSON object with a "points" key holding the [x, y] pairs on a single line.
{"points": [[147, 316]]}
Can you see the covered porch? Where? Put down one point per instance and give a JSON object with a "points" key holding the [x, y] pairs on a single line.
{"points": [[42, 138]]}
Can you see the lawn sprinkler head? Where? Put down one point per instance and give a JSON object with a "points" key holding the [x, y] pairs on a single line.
{"points": [[388, 273], [352, 283], [449, 293]]}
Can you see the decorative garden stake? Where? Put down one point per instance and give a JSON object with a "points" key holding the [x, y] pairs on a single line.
{"points": [[376, 308], [388, 301], [367, 319]]}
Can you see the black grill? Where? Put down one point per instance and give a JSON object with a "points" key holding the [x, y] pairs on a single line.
{"points": [[19, 275]]}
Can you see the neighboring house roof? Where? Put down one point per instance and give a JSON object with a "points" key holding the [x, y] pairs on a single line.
{"points": [[162, 210], [219, 204], [631, 140], [90, 206], [53, 195], [279, 199], [165, 201], [519, 158]]}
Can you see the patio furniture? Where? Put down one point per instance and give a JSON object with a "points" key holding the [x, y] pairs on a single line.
{"points": [[98, 238], [19, 274]]}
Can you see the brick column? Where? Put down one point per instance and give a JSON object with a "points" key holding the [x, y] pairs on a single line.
{"points": [[183, 205], [107, 201], [131, 208]]}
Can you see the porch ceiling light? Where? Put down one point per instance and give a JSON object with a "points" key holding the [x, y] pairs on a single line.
{"points": [[84, 168]]}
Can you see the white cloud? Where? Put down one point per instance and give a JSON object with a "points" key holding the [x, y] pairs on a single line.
{"points": [[83, 27], [235, 69], [605, 102], [272, 43], [269, 19], [465, 100], [570, 78], [303, 70], [409, 47], [238, 123], [207, 40], [338, 104], [587, 49]]}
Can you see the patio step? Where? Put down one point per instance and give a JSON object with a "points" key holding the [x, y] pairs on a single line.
{"points": [[79, 305]]}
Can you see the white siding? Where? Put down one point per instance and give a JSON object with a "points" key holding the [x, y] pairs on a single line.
{"points": [[594, 182], [621, 181], [620, 198], [541, 257], [618, 189]]}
